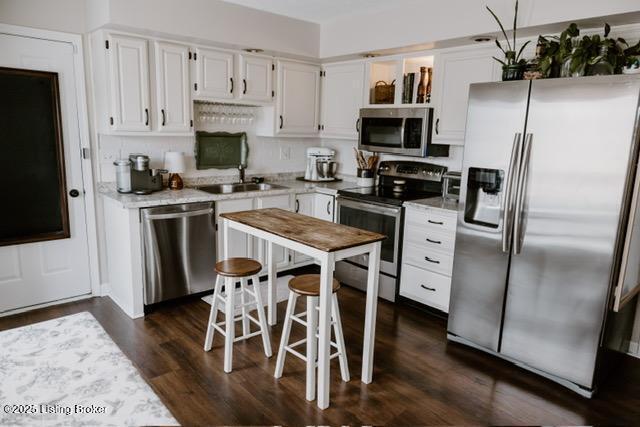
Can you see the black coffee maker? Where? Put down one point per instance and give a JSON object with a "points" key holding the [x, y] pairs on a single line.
{"points": [[143, 179]]}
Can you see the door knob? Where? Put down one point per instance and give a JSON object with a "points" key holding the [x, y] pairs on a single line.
{"points": [[74, 193]]}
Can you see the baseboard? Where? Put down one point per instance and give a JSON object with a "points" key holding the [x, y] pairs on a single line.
{"points": [[46, 304]]}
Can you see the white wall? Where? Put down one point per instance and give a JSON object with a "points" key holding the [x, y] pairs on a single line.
{"points": [[419, 22], [212, 20], [57, 15]]}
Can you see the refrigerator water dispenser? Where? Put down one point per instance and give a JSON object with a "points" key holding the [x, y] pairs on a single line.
{"points": [[484, 197]]}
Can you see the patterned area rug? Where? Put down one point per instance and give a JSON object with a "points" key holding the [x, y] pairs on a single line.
{"points": [[68, 371], [282, 291]]}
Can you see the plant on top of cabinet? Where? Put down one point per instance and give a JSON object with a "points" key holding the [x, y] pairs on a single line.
{"points": [[568, 55], [513, 65]]}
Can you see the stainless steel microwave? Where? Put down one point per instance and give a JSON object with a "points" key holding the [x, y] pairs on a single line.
{"points": [[403, 131]]}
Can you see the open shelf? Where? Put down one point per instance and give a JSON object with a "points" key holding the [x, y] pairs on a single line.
{"points": [[412, 66], [383, 72]]}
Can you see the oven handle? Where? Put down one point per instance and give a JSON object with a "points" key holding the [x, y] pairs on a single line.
{"points": [[370, 207], [404, 122]]}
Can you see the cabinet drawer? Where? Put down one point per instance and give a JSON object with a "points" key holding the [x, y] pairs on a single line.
{"points": [[430, 238], [428, 259], [436, 221], [426, 287]]}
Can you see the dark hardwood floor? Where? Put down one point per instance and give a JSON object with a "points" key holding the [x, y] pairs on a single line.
{"points": [[419, 377]]}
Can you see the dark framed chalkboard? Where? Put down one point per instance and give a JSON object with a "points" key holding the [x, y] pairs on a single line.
{"points": [[35, 196]]}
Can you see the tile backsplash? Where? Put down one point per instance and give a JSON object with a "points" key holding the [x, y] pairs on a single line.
{"points": [[266, 155]]}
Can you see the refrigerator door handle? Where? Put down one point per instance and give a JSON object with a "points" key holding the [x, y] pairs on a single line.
{"points": [[520, 190], [507, 213]]}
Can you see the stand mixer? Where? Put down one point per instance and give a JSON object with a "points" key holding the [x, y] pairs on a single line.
{"points": [[320, 164]]}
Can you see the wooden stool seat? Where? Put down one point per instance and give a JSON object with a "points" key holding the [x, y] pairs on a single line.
{"points": [[231, 271], [238, 267], [309, 285]]}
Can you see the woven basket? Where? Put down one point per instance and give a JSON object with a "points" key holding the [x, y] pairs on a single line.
{"points": [[384, 93]]}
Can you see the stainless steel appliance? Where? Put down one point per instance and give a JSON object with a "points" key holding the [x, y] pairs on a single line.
{"points": [[403, 131], [451, 185], [144, 180], [317, 158], [379, 209], [179, 250], [547, 180]]}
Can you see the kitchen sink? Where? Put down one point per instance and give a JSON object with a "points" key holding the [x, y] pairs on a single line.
{"points": [[239, 188]]}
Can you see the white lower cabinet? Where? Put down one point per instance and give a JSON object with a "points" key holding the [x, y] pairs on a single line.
{"points": [[280, 254], [324, 206], [427, 256], [240, 245]]}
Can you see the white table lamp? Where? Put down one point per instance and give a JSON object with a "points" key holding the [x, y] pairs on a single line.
{"points": [[175, 164]]}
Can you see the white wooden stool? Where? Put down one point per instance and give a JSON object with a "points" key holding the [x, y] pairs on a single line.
{"points": [[309, 285], [233, 270]]}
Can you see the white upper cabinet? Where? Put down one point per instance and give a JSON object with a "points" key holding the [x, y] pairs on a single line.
{"points": [[454, 72], [172, 87], [214, 74], [298, 98], [342, 98], [256, 78], [128, 60]]}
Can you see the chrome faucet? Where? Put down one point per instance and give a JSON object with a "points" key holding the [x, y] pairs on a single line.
{"points": [[241, 170]]}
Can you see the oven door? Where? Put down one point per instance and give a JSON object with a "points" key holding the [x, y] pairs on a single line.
{"points": [[383, 219]]}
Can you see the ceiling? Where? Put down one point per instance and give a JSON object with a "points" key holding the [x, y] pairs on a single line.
{"points": [[318, 11]]}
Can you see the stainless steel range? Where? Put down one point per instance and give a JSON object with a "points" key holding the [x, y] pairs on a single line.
{"points": [[379, 209]]}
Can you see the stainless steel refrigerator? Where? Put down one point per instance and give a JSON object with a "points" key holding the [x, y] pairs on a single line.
{"points": [[545, 244]]}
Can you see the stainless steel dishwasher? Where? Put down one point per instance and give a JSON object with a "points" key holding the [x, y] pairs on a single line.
{"points": [[179, 252]]}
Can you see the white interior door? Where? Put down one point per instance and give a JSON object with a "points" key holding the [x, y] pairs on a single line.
{"points": [[129, 71], [41, 272], [172, 87], [256, 77]]}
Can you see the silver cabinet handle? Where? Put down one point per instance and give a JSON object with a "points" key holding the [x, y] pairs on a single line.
{"points": [[522, 180], [512, 173], [428, 288], [152, 217], [437, 242], [431, 260]]}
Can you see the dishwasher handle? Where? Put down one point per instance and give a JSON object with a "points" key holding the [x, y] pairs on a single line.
{"points": [[152, 217]]}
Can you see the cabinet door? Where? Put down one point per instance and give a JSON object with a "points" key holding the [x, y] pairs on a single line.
{"points": [[129, 74], [172, 87], [324, 206], [256, 78], [298, 98], [454, 73], [342, 98], [214, 74], [240, 245], [280, 254], [304, 206]]}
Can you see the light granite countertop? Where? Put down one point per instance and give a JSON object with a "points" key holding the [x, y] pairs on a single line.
{"points": [[433, 202], [193, 195]]}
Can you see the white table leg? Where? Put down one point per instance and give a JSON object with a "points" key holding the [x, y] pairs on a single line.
{"points": [[225, 238], [370, 314], [271, 286], [324, 325]]}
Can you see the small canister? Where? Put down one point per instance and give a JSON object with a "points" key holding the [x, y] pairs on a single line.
{"points": [[123, 175]]}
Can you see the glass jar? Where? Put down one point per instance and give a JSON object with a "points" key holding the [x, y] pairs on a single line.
{"points": [[602, 67], [123, 175]]}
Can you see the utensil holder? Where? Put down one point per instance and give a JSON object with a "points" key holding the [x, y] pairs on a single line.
{"points": [[366, 178]]}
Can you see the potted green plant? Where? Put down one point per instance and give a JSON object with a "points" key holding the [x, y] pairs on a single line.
{"points": [[555, 51], [513, 65]]}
